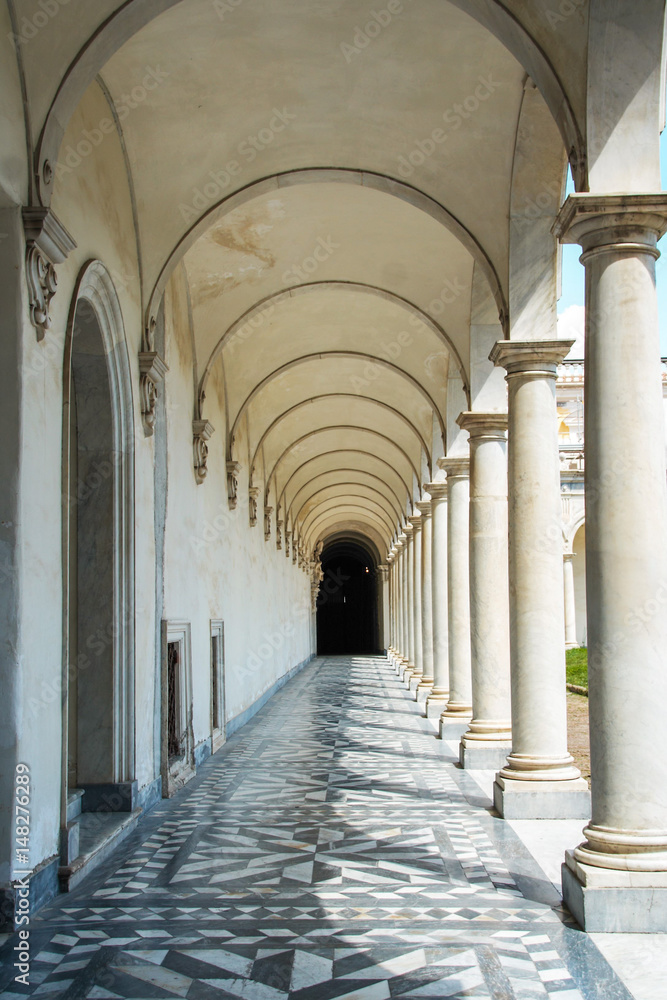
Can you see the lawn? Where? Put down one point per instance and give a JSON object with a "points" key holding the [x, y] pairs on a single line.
{"points": [[576, 661]]}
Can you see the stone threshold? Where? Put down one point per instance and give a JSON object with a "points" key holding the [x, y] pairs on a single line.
{"points": [[100, 834]]}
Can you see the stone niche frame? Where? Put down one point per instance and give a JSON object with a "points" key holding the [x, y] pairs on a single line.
{"points": [[218, 733], [177, 771], [95, 287]]}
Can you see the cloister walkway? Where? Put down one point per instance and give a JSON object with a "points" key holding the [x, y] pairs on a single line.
{"points": [[331, 850]]}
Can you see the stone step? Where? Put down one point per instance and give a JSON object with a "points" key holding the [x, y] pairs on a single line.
{"points": [[74, 797]]}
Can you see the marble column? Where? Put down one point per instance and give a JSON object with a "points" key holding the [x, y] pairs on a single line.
{"points": [[418, 671], [390, 586], [459, 705], [539, 779], [426, 682], [617, 879], [570, 601], [409, 602], [439, 695], [401, 660], [386, 616], [488, 739]]}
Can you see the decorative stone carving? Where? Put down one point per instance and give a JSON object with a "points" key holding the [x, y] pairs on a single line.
{"points": [[202, 431], [233, 469], [279, 535], [295, 550], [253, 497], [268, 511], [47, 243], [288, 535], [152, 370]]}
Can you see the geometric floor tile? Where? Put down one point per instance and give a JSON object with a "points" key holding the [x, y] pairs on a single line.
{"points": [[330, 851]]}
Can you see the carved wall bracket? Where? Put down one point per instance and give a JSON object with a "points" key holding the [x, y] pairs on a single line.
{"points": [[47, 243], [152, 370], [268, 511], [253, 495], [233, 469], [202, 431], [279, 535]]}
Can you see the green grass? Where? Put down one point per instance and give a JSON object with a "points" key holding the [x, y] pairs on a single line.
{"points": [[576, 662]]}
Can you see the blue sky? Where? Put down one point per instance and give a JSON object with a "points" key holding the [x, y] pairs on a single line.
{"points": [[573, 272]]}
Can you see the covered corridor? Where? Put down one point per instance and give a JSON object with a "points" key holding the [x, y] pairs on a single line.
{"points": [[331, 851]]}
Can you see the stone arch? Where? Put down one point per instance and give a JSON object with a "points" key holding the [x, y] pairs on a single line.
{"points": [[134, 15], [98, 543]]}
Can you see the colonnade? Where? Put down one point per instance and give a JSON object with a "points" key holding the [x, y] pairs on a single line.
{"points": [[481, 567]]}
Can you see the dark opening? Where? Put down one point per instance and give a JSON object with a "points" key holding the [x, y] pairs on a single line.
{"points": [[347, 620], [173, 734]]}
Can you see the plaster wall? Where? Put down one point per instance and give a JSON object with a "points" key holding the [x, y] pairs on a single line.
{"points": [[216, 565], [92, 201]]}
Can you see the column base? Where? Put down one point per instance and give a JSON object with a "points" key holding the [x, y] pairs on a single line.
{"points": [[606, 900], [424, 689], [483, 755], [407, 670], [435, 703], [414, 682], [451, 729], [458, 711], [525, 799]]}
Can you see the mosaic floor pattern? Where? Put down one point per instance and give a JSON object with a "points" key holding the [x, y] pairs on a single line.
{"points": [[332, 850]]}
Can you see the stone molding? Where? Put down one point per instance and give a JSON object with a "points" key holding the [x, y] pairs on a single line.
{"points": [[455, 468], [253, 498], [152, 370], [233, 469], [47, 243], [438, 491], [530, 358], [607, 222], [202, 431], [426, 508], [478, 425]]}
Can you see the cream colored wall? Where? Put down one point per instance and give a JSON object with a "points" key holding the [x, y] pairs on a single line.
{"points": [[235, 576], [216, 564]]}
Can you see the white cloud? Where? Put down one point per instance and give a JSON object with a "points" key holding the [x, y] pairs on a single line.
{"points": [[571, 326]]}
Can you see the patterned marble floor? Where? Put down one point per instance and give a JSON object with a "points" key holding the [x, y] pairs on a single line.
{"points": [[331, 850]]}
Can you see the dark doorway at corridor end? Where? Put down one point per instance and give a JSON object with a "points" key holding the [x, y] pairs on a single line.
{"points": [[347, 605]]}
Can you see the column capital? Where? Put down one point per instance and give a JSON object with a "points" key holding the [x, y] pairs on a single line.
{"points": [[401, 542], [408, 531], [384, 570], [479, 425], [425, 507], [456, 468], [416, 522], [613, 221], [526, 357], [438, 491]]}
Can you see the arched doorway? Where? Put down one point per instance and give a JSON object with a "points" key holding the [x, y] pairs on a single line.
{"points": [[347, 605], [98, 549]]}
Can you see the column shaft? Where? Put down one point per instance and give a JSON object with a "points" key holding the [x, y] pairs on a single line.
{"points": [[417, 599], [617, 879], [426, 682], [488, 739], [437, 699], [459, 705], [539, 780]]}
